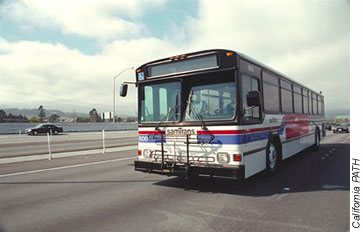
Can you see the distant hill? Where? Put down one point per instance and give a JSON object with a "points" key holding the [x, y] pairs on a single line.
{"points": [[34, 112]]}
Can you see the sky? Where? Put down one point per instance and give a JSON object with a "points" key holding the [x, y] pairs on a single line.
{"points": [[63, 54]]}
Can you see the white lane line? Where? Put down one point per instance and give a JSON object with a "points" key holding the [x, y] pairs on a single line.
{"points": [[65, 167], [346, 139], [64, 154], [293, 226], [282, 195]]}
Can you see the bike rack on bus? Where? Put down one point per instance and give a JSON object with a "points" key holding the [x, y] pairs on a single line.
{"points": [[199, 139]]}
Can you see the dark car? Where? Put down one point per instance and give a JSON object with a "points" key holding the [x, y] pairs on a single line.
{"points": [[341, 127], [44, 128]]}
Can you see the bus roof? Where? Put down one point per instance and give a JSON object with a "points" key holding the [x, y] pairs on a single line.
{"points": [[241, 55]]}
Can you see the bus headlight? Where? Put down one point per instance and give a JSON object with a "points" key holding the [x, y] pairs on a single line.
{"points": [[147, 153], [223, 157]]}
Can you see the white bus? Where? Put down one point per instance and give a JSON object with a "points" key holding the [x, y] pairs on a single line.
{"points": [[221, 113]]}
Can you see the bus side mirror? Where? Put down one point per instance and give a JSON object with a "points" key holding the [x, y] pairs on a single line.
{"points": [[253, 98], [123, 90]]}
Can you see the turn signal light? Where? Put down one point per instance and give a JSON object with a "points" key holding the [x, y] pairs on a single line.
{"points": [[229, 54], [139, 152], [237, 157]]}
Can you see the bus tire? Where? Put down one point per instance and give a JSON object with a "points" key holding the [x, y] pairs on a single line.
{"points": [[317, 140], [272, 157]]}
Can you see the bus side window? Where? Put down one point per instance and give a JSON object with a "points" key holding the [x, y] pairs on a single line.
{"points": [[249, 84]]}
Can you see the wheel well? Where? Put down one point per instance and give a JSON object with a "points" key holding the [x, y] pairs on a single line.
{"points": [[275, 138], [317, 131]]}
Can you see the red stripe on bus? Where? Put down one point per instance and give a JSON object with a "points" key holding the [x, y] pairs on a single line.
{"points": [[151, 132]]}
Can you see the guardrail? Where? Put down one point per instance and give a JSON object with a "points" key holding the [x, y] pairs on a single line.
{"points": [[22, 145]]}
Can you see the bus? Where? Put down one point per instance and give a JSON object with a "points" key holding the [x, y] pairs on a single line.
{"points": [[220, 113]]}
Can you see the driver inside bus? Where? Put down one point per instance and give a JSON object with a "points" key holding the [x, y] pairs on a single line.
{"points": [[229, 109]]}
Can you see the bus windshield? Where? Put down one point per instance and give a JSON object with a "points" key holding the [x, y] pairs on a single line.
{"points": [[211, 102], [160, 102]]}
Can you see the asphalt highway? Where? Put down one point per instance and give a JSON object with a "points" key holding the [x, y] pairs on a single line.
{"points": [[25, 145], [103, 193]]}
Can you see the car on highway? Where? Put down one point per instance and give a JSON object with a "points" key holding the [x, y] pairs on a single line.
{"points": [[44, 128], [341, 127]]}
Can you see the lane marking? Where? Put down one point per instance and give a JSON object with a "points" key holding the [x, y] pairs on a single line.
{"points": [[327, 186], [346, 139], [282, 195], [65, 167], [294, 226], [64, 154]]}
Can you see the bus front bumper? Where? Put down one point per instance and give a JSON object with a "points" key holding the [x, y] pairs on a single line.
{"points": [[173, 169]]}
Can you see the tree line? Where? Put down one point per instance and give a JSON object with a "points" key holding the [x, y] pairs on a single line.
{"points": [[4, 117], [93, 117]]}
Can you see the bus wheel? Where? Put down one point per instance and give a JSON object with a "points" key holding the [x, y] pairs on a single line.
{"points": [[272, 158], [317, 140]]}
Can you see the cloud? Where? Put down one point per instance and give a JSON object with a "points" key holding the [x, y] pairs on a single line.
{"points": [[59, 77], [54, 75], [307, 40], [104, 20], [268, 27]]}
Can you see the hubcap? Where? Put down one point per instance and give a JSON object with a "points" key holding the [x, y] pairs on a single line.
{"points": [[272, 156]]}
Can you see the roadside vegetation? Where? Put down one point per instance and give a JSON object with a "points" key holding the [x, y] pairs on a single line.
{"points": [[44, 115]]}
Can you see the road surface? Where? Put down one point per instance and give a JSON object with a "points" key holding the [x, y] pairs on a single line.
{"points": [[25, 145], [103, 193]]}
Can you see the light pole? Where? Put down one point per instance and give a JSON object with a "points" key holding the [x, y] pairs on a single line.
{"points": [[114, 81]]}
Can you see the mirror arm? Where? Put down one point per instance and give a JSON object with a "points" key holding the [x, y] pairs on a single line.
{"points": [[130, 83], [243, 111]]}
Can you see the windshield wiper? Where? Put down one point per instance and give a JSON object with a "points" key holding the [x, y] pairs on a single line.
{"points": [[174, 109], [195, 112]]}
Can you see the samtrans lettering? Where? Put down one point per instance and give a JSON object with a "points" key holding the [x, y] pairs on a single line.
{"points": [[180, 131]]}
